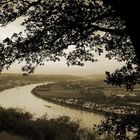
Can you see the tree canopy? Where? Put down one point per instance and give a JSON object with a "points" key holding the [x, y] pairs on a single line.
{"points": [[92, 26], [121, 127]]}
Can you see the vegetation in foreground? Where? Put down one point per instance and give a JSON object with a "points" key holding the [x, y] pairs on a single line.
{"points": [[122, 127], [18, 122], [7, 136]]}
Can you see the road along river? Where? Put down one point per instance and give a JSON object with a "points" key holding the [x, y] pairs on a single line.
{"points": [[21, 97]]}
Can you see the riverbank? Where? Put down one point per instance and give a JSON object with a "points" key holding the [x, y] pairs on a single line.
{"points": [[63, 94], [59, 123], [68, 105], [22, 98], [8, 81]]}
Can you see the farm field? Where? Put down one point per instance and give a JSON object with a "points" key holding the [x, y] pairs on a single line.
{"points": [[90, 94]]}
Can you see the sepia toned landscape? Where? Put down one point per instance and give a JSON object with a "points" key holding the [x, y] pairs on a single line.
{"points": [[91, 95], [69, 70]]}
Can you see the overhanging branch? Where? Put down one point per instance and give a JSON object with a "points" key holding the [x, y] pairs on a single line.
{"points": [[104, 15], [5, 2], [32, 4], [109, 30]]}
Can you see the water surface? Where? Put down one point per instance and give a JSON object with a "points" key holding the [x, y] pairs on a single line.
{"points": [[21, 97]]}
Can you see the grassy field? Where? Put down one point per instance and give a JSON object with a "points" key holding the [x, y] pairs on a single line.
{"points": [[88, 88], [85, 89], [90, 94]]}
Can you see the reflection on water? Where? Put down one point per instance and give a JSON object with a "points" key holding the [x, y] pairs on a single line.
{"points": [[21, 97]]}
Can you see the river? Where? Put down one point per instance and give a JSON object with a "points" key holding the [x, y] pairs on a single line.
{"points": [[21, 97]]}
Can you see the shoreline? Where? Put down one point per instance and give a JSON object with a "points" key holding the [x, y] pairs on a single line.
{"points": [[68, 105], [18, 86], [87, 106], [56, 102]]}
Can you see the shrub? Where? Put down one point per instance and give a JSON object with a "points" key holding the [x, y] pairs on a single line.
{"points": [[18, 122]]}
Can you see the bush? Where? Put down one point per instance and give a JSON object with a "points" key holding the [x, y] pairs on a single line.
{"points": [[15, 121], [10, 117], [7, 136]]}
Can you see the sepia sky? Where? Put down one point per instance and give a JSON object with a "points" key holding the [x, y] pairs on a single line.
{"points": [[61, 67]]}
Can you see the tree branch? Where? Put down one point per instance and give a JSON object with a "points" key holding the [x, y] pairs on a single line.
{"points": [[29, 4], [33, 4], [104, 15], [115, 31], [5, 2]]}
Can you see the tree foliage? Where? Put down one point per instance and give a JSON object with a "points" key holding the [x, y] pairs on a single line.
{"points": [[52, 26], [121, 127]]}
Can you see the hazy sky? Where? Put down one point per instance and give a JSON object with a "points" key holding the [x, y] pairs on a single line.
{"points": [[89, 68]]}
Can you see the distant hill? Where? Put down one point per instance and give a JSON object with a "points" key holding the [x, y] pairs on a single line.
{"points": [[54, 76]]}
